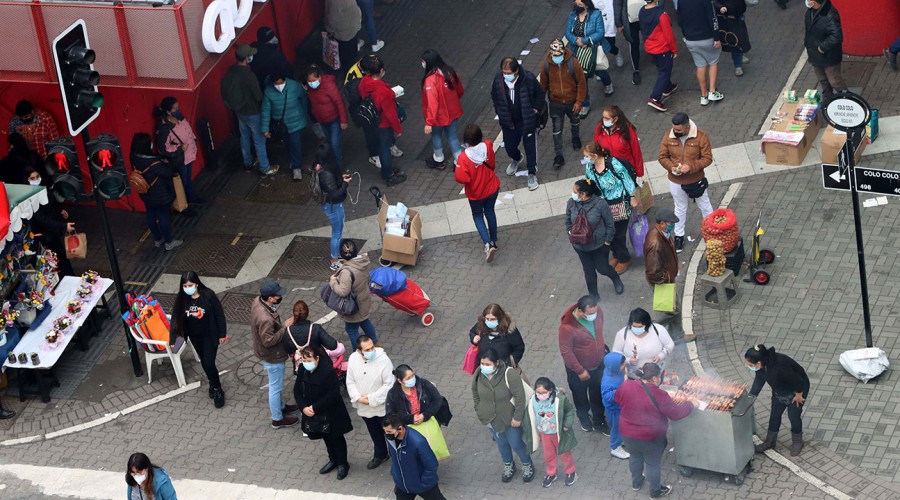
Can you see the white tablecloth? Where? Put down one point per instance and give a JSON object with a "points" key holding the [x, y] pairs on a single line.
{"points": [[33, 339]]}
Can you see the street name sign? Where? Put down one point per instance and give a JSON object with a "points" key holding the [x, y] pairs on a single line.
{"points": [[834, 177], [871, 180], [846, 111]]}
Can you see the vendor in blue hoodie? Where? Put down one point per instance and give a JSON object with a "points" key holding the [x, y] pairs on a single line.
{"points": [[613, 376], [146, 480]]}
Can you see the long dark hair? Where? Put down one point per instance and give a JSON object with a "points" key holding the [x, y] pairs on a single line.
{"points": [[622, 121], [181, 301], [640, 316], [140, 461], [588, 6], [502, 317], [434, 61], [760, 353], [325, 157], [141, 144]]}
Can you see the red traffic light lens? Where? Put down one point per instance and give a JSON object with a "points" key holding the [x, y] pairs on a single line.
{"points": [[102, 159]]}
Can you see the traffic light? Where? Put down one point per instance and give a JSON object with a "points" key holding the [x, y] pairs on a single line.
{"points": [[104, 156], [77, 79], [65, 172]]}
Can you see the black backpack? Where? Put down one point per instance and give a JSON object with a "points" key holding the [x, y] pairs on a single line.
{"points": [[357, 103], [628, 167], [368, 114]]}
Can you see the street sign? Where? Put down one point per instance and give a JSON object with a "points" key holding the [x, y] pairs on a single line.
{"points": [[835, 177], [872, 180], [846, 111]]}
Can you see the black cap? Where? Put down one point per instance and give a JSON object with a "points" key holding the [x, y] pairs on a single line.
{"points": [[269, 288], [666, 215], [264, 34]]}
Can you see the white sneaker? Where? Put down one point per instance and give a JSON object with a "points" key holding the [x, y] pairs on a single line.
{"points": [[378, 46], [739, 71], [395, 152], [597, 77], [298, 174], [620, 60], [745, 59], [374, 160], [512, 168], [620, 453], [704, 101], [532, 182], [716, 96]]}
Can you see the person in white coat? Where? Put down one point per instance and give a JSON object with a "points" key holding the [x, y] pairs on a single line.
{"points": [[643, 341], [369, 378], [609, 28]]}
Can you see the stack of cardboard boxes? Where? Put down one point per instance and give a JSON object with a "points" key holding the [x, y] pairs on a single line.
{"points": [[793, 129], [401, 230]]}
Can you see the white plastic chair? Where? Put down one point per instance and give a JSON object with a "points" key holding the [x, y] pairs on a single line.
{"points": [[174, 357]]}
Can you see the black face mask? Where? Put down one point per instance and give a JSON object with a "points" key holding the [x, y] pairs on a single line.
{"points": [[678, 134], [579, 9], [278, 300], [393, 437]]}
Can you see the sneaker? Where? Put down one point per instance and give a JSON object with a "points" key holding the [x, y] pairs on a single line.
{"points": [[597, 77], [576, 143], [620, 60], [395, 179], [273, 169], [558, 161], [395, 151], [290, 410], [532, 182], [360, 44], [490, 252], [173, 244], [716, 96], [603, 427], [745, 59], [432, 163], [219, 398], [661, 492], [671, 90], [653, 103], [527, 472], [512, 168], [679, 244], [620, 453], [298, 174], [285, 422], [571, 478], [508, 471], [584, 112], [637, 485], [704, 101], [739, 71], [548, 480], [636, 78], [608, 90], [378, 46], [374, 160], [587, 426], [157, 244]]}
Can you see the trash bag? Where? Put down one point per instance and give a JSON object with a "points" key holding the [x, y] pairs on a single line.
{"points": [[638, 228], [864, 364]]}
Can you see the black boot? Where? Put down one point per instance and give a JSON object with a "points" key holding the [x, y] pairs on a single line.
{"points": [[796, 443], [219, 398], [769, 443]]}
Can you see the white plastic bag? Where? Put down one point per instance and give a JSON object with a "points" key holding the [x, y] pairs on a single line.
{"points": [[864, 364]]}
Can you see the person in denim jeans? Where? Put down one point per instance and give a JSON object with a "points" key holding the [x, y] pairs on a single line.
{"points": [[241, 94], [334, 186], [441, 92], [352, 276], [498, 392], [372, 86], [285, 101], [327, 107], [367, 8], [268, 331], [476, 171]]}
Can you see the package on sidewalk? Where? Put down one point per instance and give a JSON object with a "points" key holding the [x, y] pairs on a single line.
{"points": [[791, 134], [864, 364], [832, 142], [401, 228]]}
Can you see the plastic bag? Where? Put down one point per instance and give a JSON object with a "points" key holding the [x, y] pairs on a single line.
{"points": [[864, 364], [637, 231], [470, 362], [431, 430]]}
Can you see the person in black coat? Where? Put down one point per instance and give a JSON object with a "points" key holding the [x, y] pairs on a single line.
{"points": [[50, 224], [427, 397], [790, 387], [495, 330], [159, 174], [334, 185], [20, 157], [268, 58], [518, 100], [823, 40], [318, 394], [300, 334]]}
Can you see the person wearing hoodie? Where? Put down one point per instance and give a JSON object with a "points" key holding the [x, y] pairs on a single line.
{"points": [[659, 42], [495, 329], [643, 341], [582, 348], [414, 465], [328, 109], [613, 377], [268, 58], [500, 404], [476, 171], [732, 13], [441, 91], [369, 378], [646, 411], [372, 86], [550, 421], [564, 81], [700, 29], [594, 254], [352, 276], [146, 480], [285, 101]]}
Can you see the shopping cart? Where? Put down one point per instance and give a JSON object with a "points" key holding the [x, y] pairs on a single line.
{"points": [[402, 293], [759, 257]]}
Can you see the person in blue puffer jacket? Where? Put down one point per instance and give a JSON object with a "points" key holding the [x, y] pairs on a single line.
{"points": [[585, 33], [285, 100], [613, 376], [413, 464], [146, 480]]}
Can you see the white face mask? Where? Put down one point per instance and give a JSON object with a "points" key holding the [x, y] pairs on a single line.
{"points": [[35, 182], [139, 478], [280, 87]]}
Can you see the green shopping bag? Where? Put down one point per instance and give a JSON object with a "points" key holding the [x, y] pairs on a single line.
{"points": [[431, 429], [664, 297]]}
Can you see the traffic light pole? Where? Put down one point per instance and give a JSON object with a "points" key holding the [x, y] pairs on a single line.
{"points": [[114, 263]]}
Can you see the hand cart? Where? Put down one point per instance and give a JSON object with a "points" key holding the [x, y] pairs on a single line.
{"points": [[401, 292], [759, 257]]}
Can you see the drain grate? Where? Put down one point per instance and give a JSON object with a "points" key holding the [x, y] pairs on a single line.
{"points": [[237, 306], [306, 258], [166, 300], [216, 255]]}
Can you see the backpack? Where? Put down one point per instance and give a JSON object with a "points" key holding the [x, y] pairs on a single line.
{"points": [[315, 187], [138, 182], [581, 233], [368, 114], [571, 66], [628, 168]]}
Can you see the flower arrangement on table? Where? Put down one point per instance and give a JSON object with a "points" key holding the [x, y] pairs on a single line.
{"points": [[53, 337], [8, 316], [32, 299], [84, 292], [62, 323], [75, 307], [90, 278]]}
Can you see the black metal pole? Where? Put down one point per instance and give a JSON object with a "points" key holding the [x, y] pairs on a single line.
{"points": [[114, 264], [852, 137]]}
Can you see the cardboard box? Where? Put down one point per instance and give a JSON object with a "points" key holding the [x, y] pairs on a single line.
{"points": [[402, 249], [787, 154], [832, 142]]}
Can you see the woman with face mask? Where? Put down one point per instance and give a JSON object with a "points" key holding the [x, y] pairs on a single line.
{"points": [[318, 393], [327, 108], [441, 91], [585, 33], [593, 254], [419, 403], [51, 224], [500, 404], [643, 341], [198, 316], [176, 142], [495, 329], [550, 421], [147, 481], [790, 388], [616, 186], [617, 134]]}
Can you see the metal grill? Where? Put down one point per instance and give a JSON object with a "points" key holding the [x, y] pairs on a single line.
{"points": [[306, 258], [237, 306], [217, 255]]}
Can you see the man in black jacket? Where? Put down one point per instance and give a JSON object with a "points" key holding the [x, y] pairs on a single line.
{"points": [[823, 40], [518, 101], [268, 59]]}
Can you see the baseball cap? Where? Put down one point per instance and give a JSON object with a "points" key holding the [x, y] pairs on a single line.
{"points": [[557, 48], [243, 51], [666, 215], [264, 34], [269, 288]]}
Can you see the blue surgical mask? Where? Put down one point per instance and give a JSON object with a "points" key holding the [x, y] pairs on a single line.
{"points": [[638, 331], [309, 365], [586, 161], [808, 5], [487, 370], [753, 368], [491, 324], [670, 227], [575, 197], [607, 123], [556, 59], [509, 77], [314, 84], [190, 290], [410, 383], [369, 355], [590, 317]]}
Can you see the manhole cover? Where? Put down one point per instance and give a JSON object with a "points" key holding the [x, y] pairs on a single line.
{"points": [[252, 373], [306, 258], [166, 300], [217, 255], [237, 307], [13, 404]]}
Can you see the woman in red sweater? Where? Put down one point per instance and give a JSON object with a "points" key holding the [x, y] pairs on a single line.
{"points": [[372, 86], [441, 91], [475, 170], [646, 410], [327, 107], [619, 136]]}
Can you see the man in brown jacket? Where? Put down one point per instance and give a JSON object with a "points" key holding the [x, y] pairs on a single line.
{"points": [[660, 259], [564, 79], [268, 331], [685, 152]]}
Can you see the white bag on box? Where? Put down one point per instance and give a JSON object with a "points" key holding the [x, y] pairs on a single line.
{"points": [[401, 210], [864, 364]]}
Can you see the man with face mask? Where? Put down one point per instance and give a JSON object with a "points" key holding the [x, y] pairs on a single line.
{"points": [[268, 58], [369, 379], [268, 331], [413, 464], [582, 348], [660, 257], [241, 93], [563, 79], [35, 125]]}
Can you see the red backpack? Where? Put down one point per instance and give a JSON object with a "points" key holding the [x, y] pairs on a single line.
{"points": [[581, 233]]}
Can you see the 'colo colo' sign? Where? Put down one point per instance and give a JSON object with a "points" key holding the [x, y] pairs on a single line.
{"points": [[227, 15]]}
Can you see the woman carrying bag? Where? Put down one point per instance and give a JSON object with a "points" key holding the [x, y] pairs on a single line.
{"points": [[584, 32], [421, 406], [592, 247], [616, 186], [495, 329]]}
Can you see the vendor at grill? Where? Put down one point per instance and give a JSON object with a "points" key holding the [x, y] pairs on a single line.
{"points": [[790, 387]]}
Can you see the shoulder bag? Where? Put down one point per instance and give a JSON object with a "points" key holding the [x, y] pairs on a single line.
{"points": [[345, 306], [278, 128]]}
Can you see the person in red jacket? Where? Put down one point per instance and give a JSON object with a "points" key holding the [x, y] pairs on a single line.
{"points": [[327, 107], [582, 348], [441, 92], [646, 410], [659, 42], [475, 169], [373, 86], [616, 134]]}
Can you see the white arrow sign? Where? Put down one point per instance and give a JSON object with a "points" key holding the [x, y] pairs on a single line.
{"points": [[837, 176]]}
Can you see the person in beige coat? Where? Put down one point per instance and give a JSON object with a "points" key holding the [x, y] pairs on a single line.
{"points": [[353, 276]]}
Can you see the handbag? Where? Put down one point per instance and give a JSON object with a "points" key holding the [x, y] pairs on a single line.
{"points": [[330, 51], [470, 361], [529, 392], [76, 245], [637, 231], [444, 415], [734, 34], [620, 210], [316, 424], [277, 128], [644, 197], [180, 203], [431, 431], [695, 189], [664, 297], [602, 62], [518, 369], [344, 306]]}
